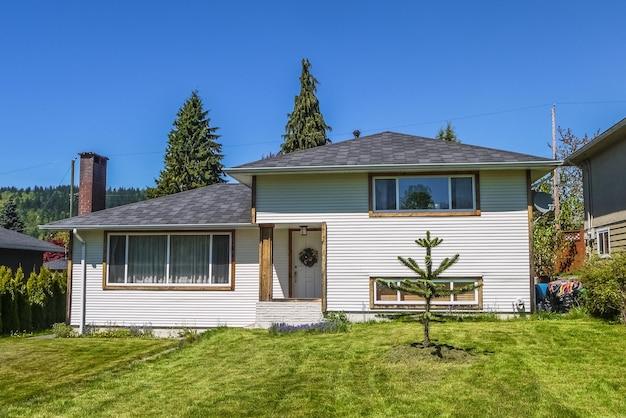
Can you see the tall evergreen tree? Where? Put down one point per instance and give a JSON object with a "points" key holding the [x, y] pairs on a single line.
{"points": [[448, 134], [306, 127], [193, 157], [9, 218]]}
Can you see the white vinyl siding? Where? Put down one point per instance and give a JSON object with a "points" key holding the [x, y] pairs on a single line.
{"points": [[169, 308], [493, 246]]}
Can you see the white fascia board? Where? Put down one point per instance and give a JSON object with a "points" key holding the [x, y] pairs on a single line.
{"points": [[147, 227], [547, 164]]}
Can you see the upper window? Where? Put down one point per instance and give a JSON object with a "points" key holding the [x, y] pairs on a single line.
{"points": [[169, 259], [604, 242], [424, 193]]}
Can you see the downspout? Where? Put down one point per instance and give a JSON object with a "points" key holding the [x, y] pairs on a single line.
{"points": [[83, 286]]}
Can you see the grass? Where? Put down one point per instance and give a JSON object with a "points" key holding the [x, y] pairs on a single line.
{"points": [[31, 367], [520, 368]]}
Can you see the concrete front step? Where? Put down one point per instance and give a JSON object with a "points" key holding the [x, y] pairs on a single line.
{"points": [[292, 312]]}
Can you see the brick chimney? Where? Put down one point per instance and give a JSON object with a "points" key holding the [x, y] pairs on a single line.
{"points": [[93, 182]]}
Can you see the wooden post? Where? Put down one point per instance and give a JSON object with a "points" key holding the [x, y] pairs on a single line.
{"points": [[266, 262]]}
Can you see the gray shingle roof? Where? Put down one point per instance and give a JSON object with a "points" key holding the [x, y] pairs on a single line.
{"points": [[215, 204], [17, 241], [390, 148]]}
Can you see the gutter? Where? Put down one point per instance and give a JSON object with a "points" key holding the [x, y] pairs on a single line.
{"points": [[83, 287]]}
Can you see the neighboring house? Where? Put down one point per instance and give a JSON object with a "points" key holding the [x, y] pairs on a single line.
{"points": [[20, 250], [307, 232], [603, 162]]}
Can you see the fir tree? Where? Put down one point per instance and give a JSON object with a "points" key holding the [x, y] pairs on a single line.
{"points": [[448, 134], [9, 218], [306, 127], [193, 157], [424, 284]]}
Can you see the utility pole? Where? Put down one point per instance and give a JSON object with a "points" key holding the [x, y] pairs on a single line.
{"points": [[556, 179], [72, 187]]}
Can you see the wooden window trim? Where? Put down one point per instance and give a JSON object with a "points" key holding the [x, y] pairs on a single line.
{"points": [[478, 306], [170, 287], [444, 213]]}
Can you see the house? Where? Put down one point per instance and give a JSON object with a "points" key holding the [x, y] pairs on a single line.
{"points": [[603, 163], [305, 233], [20, 250]]}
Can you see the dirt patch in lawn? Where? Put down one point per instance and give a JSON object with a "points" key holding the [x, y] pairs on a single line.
{"points": [[434, 352]]}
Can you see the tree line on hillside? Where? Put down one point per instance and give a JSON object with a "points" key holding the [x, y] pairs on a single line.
{"points": [[22, 209]]}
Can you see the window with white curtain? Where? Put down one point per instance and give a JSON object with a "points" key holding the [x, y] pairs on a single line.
{"points": [[169, 259]]}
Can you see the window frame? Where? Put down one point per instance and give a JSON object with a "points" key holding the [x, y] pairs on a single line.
{"points": [[436, 305], [607, 231], [374, 212], [167, 285]]}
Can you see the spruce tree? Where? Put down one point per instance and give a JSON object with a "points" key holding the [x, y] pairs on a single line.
{"points": [[193, 157], [306, 127], [9, 218], [448, 134], [425, 285]]}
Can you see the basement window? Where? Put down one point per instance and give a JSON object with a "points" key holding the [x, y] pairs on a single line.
{"points": [[385, 297], [173, 259]]}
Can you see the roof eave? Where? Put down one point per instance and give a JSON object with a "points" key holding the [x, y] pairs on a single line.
{"points": [[597, 144], [237, 172], [153, 227]]}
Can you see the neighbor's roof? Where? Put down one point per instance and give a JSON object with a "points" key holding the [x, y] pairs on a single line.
{"points": [[388, 150], [17, 241], [612, 135], [218, 204]]}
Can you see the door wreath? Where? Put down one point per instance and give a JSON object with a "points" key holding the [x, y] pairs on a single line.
{"points": [[308, 257]]}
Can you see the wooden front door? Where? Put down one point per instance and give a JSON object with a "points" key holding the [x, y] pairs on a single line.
{"points": [[306, 275]]}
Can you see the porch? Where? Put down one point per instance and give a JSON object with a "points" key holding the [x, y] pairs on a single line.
{"points": [[292, 273]]}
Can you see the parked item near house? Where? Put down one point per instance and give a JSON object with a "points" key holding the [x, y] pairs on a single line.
{"points": [[558, 296], [306, 233], [603, 163]]}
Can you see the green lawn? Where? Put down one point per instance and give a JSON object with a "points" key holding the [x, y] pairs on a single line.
{"points": [[533, 368]]}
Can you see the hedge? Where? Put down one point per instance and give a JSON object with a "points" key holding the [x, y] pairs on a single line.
{"points": [[31, 303]]}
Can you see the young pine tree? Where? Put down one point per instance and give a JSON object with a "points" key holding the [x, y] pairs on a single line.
{"points": [[306, 127], [448, 133], [9, 218], [425, 285], [193, 157]]}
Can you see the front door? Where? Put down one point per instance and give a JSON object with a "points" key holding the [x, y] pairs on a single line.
{"points": [[306, 265]]}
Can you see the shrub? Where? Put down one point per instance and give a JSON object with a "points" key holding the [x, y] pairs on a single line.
{"points": [[604, 280], [333, 322], [62, 330], [188, 335], [337, 321], [30, 303]]}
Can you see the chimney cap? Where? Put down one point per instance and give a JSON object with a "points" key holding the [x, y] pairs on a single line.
{"points": [[90, 154]]}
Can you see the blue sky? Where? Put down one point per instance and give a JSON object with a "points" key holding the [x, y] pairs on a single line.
{"points": [[109, 76]]}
